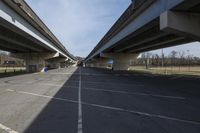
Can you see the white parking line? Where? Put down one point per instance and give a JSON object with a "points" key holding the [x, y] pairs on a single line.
{"points": [[80, 126], [113, 91], [44, 84], [145, 114], [92, 74], [107, 90], [44, 96], [7, 129], [85, 74], [134, 84], [62, 74], [136, 93], [90, 82], [110, 83], [111, 108]]}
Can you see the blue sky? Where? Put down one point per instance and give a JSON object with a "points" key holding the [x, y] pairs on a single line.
{"points": [[189, 49], [80, 24]]}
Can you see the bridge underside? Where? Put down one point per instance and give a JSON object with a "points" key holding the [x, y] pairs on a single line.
{"points": [[25, 36], [148, 38], [173, 27], [154, 36], [14, 42], [25, 47]]}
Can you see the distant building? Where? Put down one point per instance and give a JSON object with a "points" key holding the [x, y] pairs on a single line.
{"points": [[6, 60], [9, 62]]}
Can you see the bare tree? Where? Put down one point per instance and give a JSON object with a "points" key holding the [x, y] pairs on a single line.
{"points": [[181, 58], [148, 55], [157, 58], [173, 55], [190, 58]]}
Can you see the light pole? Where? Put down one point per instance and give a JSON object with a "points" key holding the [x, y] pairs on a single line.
{"points": [[162, 58]]}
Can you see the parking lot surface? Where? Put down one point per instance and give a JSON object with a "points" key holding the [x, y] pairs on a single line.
{"points": [[89, 100]]}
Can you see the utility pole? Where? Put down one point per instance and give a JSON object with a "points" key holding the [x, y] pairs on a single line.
{"points": [[162, 58]]}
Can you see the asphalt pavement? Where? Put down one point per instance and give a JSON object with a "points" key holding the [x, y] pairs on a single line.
{"points": [[90, 100]]}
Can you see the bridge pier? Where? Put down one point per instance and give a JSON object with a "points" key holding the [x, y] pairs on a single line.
{"points": [[58, 62], [121, 61], [98, 63], [64, 63], [36, 62], [101, 62], [89, 64]]}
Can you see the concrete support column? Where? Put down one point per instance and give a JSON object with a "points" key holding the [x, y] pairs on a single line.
{"points": [[98, 63], [54, 65], [35, 62], [56, 62], [101, 62], [121, 61], [89, 64], [63, 64]]}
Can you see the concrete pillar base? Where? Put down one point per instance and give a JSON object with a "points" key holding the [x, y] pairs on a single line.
{"points": [[98, 63], [121, 61], [55, 63], [35, 62]]}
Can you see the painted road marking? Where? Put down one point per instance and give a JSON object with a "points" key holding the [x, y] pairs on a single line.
{"points": [[86, 74], [111, 108], [144, 114], [89, 74], [49, 84], [122, 92], [62, 74], [80, 126], [43, 84], [113, 91], [44, 96], [133, 83], [137, 93], [7, 129]]}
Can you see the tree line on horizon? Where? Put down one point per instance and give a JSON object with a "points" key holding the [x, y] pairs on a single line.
{"points": [[174, 58]]}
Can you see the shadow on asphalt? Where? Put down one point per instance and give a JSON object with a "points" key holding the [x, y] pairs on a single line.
{"points": [[59, 116], [11, 74]]}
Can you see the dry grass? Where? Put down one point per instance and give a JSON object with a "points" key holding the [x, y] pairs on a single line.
{"points": [[169, 70], [11, 69]]}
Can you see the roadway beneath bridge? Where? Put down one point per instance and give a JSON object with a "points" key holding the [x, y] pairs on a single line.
{"points": [[88, 100]]}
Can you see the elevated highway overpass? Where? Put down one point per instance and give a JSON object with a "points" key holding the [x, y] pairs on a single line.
{"points": [[24, 34], [147, 25]]}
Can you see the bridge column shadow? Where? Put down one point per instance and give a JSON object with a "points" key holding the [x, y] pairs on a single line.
{"points": [[60, 115]]}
